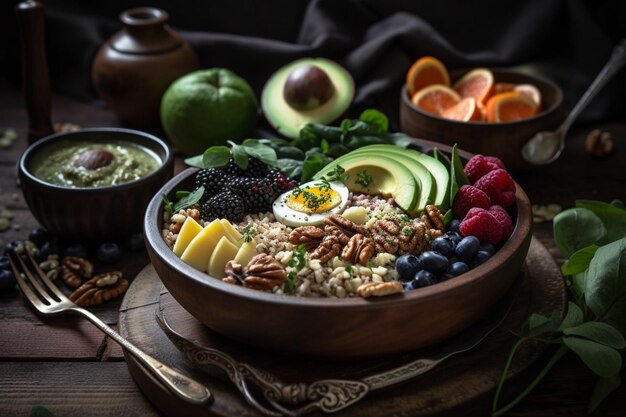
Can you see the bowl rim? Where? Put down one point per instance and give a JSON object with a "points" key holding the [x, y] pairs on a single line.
{"points": [[166, 161], [505, 71], [158, 246]]}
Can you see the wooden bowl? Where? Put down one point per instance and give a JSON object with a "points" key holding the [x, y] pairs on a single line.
{"points": [[331, 327], [94, 214], [504, 140]]}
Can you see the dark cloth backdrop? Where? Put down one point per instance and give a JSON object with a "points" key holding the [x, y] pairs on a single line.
{"points": [[567, 41]]}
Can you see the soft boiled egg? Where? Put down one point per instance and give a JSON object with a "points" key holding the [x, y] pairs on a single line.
{"points": [[310, 203]]}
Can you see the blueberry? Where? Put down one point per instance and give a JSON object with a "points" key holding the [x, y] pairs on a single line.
{"points": [[51, 247], [424, 278], [407, 266], [7, 280], [455, 237], [458, 268], [109, 253], [76, 249], [135, 242], [454, 224], [39, 236], [488, 247], [433, 262], [11, 246], [466, 249], [5, 264], [481, 257], [444, 245]]}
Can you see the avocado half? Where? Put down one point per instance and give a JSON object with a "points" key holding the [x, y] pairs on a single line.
{"points": [[288, 120]]}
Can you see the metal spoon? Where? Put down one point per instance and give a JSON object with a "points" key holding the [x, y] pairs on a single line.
{"points": [[545, 147]]}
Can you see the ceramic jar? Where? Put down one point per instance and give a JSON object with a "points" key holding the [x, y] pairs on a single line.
{"points": [[132, 70]]}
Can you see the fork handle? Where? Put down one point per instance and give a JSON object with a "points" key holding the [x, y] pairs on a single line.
{"points": [[181, 385]]}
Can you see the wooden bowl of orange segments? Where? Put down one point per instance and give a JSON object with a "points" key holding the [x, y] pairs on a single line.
{"points": [[489, 111]]}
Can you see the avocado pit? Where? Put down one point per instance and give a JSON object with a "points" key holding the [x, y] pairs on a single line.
{"points": [[94, 159], [307, 87]]}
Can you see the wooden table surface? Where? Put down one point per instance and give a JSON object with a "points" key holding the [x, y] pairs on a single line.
{"points": [[71, 368]]}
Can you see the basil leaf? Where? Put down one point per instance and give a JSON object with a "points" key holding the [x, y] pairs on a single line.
{"points": [[262, 152], [189, 200], [376, 118], [459, 172], [579, 261], [577, 228], [613, 217], [602, 388], [605, 280], [599, 332], [215, 157], [292, 168], [195, 161], [574, 317], [603, 360], [311, 165], [240, 156]]}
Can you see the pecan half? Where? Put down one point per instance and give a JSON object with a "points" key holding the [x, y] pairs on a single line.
{"points": [[327, 250], [264, 273], [348, 227], [359, 249], [306, 235], [433, 217], [379, 289], [412, 238], [385, 234], [101, 288], [73, 269]]}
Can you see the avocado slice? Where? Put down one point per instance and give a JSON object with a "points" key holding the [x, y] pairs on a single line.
{"points": [[391, 179], [437, 169], [288, 120]]}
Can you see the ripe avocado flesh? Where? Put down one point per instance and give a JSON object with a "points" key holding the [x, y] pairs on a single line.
{"points": [[390, 179], [287, 120], [438, 170]]}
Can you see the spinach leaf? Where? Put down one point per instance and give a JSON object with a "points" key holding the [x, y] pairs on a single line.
{"points": [[605, 280], [189, 200], [613, 217], [260, 151], [579, 261], [376, 118], [215, 157], [577, 228], [195, 161], [312, 164], [292, 168], [461, 178], [603, 360]]}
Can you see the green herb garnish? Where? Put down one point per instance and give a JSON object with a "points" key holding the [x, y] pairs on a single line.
{"points": [[337, 174], [290, 283], [348, 269], [298, 260], [592, 236], [364, 179], [167, 204], [248, 233]]}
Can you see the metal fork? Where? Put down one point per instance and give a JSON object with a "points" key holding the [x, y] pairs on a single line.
{"points": [[48, 300]]}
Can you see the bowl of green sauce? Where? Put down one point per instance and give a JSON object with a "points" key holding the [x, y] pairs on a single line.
{"points": [[93, 184]]}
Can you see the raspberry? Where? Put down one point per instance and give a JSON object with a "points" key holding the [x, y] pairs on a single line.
{"points": [[467, 197], [505, 220], [482, 224], [479, 165], [499, 186]]}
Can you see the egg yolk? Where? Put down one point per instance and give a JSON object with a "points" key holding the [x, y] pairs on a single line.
{"points": [[316, 199]]}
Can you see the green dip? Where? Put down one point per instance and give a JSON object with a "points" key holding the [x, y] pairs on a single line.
{"points": [[55, 163]]}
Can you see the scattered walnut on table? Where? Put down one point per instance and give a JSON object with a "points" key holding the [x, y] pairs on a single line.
{"points": [[101, 288], [73, 269], [599, 143]]}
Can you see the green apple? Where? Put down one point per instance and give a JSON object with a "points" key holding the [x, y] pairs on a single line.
{"points": [[206, 108]]}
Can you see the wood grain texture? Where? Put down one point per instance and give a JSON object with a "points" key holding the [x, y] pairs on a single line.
{"points": [[464, 382]]}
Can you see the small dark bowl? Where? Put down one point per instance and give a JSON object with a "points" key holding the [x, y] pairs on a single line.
{"points": [[504, 140], [331, 327], [94, 213]]}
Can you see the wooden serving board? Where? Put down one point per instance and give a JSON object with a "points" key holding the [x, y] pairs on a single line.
{"points": [[461, 385]]}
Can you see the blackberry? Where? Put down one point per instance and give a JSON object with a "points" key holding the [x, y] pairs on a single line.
{"points": [[233, 169], [279, 182], [213, 180], [255, 169], [257, 193], [223, 205]]}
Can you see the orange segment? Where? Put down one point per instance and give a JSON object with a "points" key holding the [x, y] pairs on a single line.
{"points": [[477, 84], [510, 107], [531, 92], [435, 99], [503, 87], [465, 110], [424, 72]]}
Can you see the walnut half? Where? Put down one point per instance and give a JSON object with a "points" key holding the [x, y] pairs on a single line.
{"points": [[99, 289], [264, 273], [379, 289]]}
